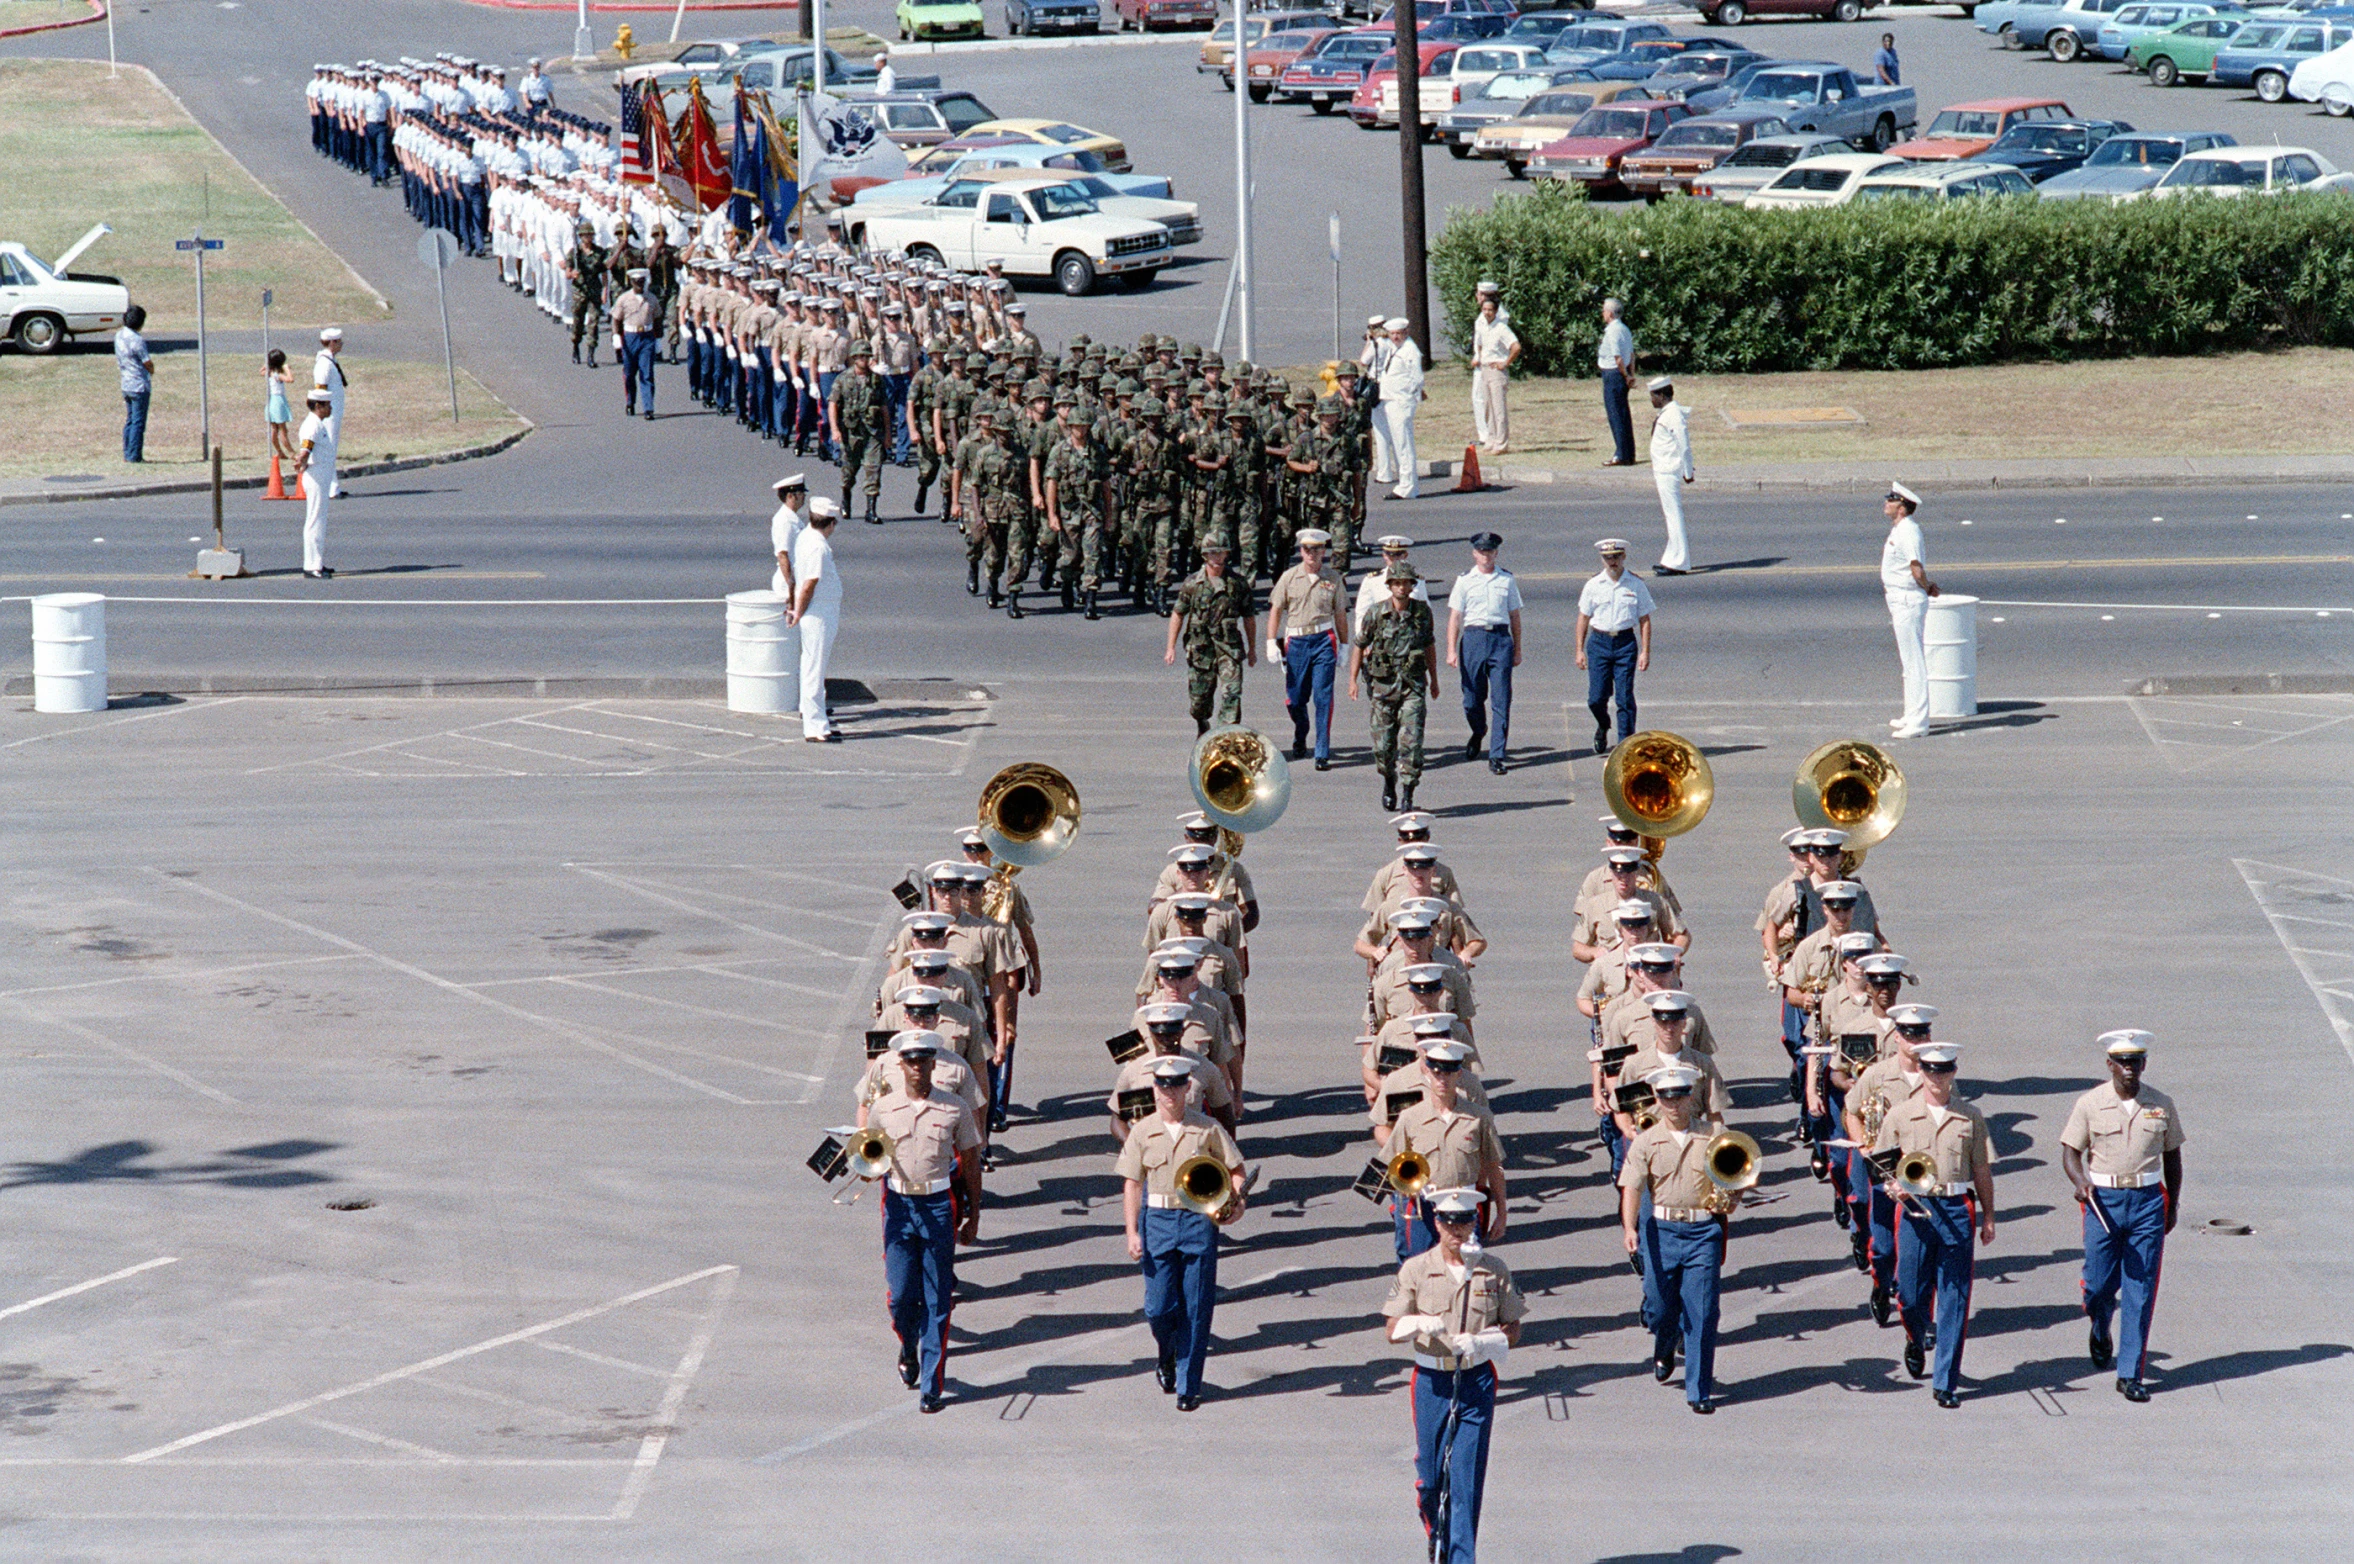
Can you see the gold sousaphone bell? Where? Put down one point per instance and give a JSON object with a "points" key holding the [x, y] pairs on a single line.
{"points": [[1205, 1184], [1851, 786], [1240, 779], [1658, 784], [1029, 815]]}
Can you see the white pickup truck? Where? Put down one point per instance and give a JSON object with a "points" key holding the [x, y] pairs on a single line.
{"points": [[1043, 226], [42, 304]]}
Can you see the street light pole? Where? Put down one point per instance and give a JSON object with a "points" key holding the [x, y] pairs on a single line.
{"points": [[584, 42], [1242, 178], [1410, 215]]}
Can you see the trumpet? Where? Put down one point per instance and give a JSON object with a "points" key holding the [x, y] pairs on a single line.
{"points": [[1408, 1172], [1240, 779], [1659, 785], [1029, 815], [866, 1156], [1916, 1175], [1853, 786], [1206, 1185], [1732, 1168]]}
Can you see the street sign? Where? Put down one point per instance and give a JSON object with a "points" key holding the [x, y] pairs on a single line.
{"points": [[199, 244], [436, 248], [268, 298]]}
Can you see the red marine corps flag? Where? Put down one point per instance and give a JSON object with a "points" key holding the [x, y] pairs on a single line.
{"points": [[702, 166]]}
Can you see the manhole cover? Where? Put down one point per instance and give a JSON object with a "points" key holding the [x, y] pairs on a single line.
{"points": [[349, 1205], [74, 477], [2229, 1228]]}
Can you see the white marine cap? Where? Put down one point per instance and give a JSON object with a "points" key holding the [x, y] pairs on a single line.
{"points": [[1314, 536], [1439, 1023], [1174, 961], [1195, 820], [1191, 901], [1795, 837], [920, 959], [1428, 906], [1193, 853], [948, 869], [1632, 912], [1668, 1077], [1904, 494], [2129, 1041], [1455, 1202], [1913, 1015], [1617, 827], [1826, 836], [1622, 857], [928, 922], [1659, 954], [1855, 942], [1423, 972], [1668, 1001], [1487, 285], [1882, 963], [1406, 922], [1447, 1052], [1841, 890], [1937, 1053], [792, 481], [1412, 820], [968, 836], [1166, 1012], [1395, 323], [914, 1044], [1419, 852], [1662, 383], [1172, 1069], [331, 334], [820, 508], [1185, 945], [1610, 545], [1395, 540], [920, 995]]}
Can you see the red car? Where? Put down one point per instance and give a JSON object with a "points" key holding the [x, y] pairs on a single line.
{"points": [[1601, 139], [1145, 15], [1271, 56], [1365, 102], [1330, 72]]}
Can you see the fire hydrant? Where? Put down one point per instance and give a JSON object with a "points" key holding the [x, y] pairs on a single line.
{"points": [[625, 42]]}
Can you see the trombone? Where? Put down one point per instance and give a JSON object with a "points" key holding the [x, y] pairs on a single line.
{"points": [[1240, 779], [1659, 785], [866, 1156], [1732, 1169], [1408, 1172], [1206, 1185], [1851, 786]]}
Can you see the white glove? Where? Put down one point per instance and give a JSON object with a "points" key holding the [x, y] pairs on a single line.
{"points": [[1407, 1326], [1275, 651], [1482, 1346]]}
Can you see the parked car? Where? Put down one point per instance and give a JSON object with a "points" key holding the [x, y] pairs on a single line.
{"points": [[1217, 51], [1820, 181], [2239, 171], [1646, 57], [1042, 227], [2064, 29], [769, 67], [1963, 130], [1056, 133], [2326, 79], [2137, 21], [44, 303], [1333, 70], [2187, 49], [1942, 182], [2128, 164], [1499, 98], [1464, 19], [1598, 38], [2262, 58], [2042, 148], [1756, 165], [1680, 75], [1545, 119], [1073, 162], [1540, 27], [1180, 220], [1601, 140], [1732, 13], [1375, 102], [927, 116], [1690, 148], [925, 20], [1830, 98], [1145, 15], [1723, 95], [1029, 18], [1270, 57], [1471, 68]]}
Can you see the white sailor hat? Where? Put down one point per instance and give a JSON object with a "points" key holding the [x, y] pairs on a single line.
{"points": [[1487, 285], [1166, 1012], [1447, 1053], [1191, 901], [1395, 540], [928, 922], [640, 271], [1312, 537], [1622, 857], [1937, 1053], [1458, 1204], [1193, 854], [1376, 320], [1172, 1070], [1672, 1077], [1610, 545], [1904, 494], [1632, 912], [1659, 954], [1662, 383], [1412, 820], [1841, 890], [1884, 963], [331, 334], [820, 508], [1856, 943], [1428, 906], [1668, 1002], [1424, 973], [1419, 852], [920, 995], [918, 1044], [1437, 1024], [1395, 323], [2118, 1045], [1913, 1015]]}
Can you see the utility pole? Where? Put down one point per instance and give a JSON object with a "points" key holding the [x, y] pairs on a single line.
{"points": [[1410, 217], [1242, 178]]}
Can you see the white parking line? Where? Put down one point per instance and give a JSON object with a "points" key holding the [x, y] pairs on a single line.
{"points": [[658, 1438], [169, 976], [107, 1044], [92, 727], [2260, 878], [82, 1287]]}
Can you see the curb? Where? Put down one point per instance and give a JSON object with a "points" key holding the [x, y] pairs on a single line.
{"points": [[97, 14], [2339, 469], [1025, 45], [848, 692], [638, 5], [204, 485], [2245, 684]]}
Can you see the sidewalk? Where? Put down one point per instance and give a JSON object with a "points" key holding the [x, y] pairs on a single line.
{"points": [[2065, 472], [42, 491]]}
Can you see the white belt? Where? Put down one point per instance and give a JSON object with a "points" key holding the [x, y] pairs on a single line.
{"points": [[1681, 1214], [1951, 1191], [1311, 631], [1446, 1365], [2125, 1180], [1488, 627], [908, 1186]]}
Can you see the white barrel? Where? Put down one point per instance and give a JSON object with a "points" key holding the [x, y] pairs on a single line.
{"points": [[763, 654], [1950, 635], [69, 652]]}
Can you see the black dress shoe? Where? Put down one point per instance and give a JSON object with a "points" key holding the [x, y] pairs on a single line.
{"points": [[1496, 767], [1474, 745], [931, 1403], [1704, 1406], [1662, 1370], [2104, 1350], [1406, 800], [1668, 570], [649, 415], [1299, 749], [1859, 1247], [1946, 1399], [1881, 1311], [1323, 765], [1188, 1403], [1389, 797], [2133, 1390], [1166, 1372], [1914, 1363], [907, 1364], [1601, 741]]}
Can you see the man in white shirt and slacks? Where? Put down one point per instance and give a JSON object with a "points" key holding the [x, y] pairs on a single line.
{"points": [[1904, 578], [817, 610]]}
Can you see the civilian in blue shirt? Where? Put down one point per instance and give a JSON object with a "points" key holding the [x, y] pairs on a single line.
{"points": [[1884, 63], [138, 380]]}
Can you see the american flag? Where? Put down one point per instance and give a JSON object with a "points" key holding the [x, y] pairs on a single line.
{"points": [[637, 168]]}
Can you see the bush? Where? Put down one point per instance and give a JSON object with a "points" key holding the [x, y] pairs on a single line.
{"points": [[1907, 284]]}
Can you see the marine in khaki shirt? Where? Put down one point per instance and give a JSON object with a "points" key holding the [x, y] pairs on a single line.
{"points": [[1306, 602], [935, 969], [2123, 1139], [1207, 1092], [1221, 921], [1956, 1140], [1408, 1085], [1158, 1146], [1389, 876], [1627, 1015], [932, 1135], [1671, 1166], [1461, 1145], [1407, 991], [1436, 1303], [950, 1074], [1591, 927]]}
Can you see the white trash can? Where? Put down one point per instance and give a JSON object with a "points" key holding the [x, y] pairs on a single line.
{"points": [[763, 654], [1950, 634], [69, 652]]}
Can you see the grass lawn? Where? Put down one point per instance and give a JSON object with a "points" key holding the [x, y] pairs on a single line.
{"points": [[2244, 404], [40, 13], [75, 149]]}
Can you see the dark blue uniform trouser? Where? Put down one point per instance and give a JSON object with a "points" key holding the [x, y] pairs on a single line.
{"points": [[1410, 1227], [1933, 1258], [379, 149], [637, 369], [2121, 1272], [1486, 656], [1621, 415], [1308, 664], [1610, 671], [1613, 1141], [895, 396], [1681, 1263], [919, 1274], [1461, 1451], [1881, 1215], [1180, 1267], [826, 449], [1001, 1088]]}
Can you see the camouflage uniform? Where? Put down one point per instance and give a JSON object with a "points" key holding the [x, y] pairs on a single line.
{"points": [[1152, 476], [1396, 671], [924, 391], [587, 269], [1213, 612], [863, 414], [1077, 470], [1000, 498]]}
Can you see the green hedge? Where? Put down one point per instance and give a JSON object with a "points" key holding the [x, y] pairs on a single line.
{"points": [[1906, 284]]}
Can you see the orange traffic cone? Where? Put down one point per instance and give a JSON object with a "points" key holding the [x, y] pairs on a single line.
{"points": [[277, 489], [1468, 480]]}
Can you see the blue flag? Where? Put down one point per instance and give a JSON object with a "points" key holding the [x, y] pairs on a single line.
{"points": [[746, 169]]}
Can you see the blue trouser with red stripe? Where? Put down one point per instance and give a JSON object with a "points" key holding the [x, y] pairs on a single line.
{"points": [[1681, 1264], [1410, 1227], [1933, 1258], [1180, 1288], [2121, 1269], [1462, 1452], [919, 1272]]}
